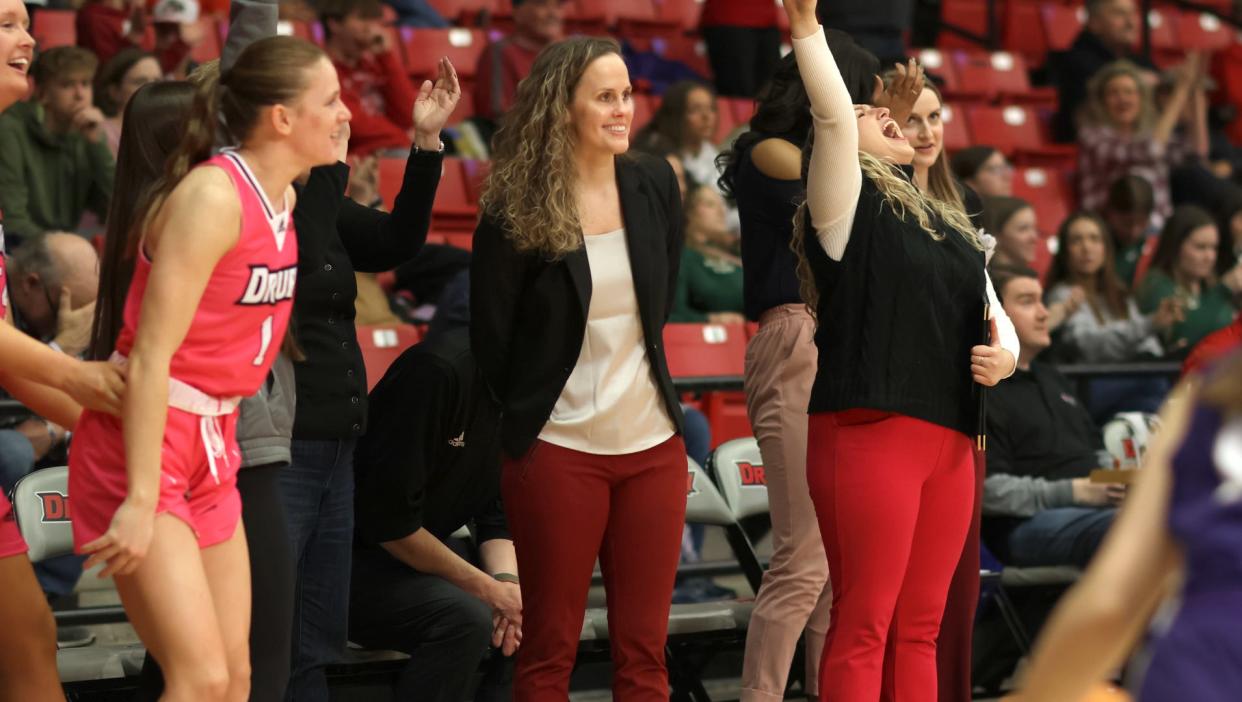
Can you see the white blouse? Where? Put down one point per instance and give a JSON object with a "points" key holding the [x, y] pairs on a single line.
{"points": [[610, 405]]}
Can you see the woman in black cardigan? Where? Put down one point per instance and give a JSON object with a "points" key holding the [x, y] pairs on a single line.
{"points": [[572, 279]]}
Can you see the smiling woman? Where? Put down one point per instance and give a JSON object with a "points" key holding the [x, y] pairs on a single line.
{"points": [[572, 278]]}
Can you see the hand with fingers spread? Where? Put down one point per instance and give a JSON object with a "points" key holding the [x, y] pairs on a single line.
{"points": [[96, 385], [904, 90], [991, 364], [123, 546], [435, 103]]}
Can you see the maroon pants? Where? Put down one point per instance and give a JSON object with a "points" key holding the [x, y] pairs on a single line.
{"points": [[893, 496], [566, 508]]}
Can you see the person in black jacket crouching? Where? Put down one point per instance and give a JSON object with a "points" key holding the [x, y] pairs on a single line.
{"points": [[429, 465]]}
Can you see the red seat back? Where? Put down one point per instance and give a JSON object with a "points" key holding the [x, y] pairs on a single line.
{"points": [[55, 28], [1049, 194], [425, 47], [705, 350], [1009, 128], [381, 345], [1062, 23]]}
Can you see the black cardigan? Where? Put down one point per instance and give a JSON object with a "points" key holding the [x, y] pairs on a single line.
{"points": [[337, 236], [528, 313]]}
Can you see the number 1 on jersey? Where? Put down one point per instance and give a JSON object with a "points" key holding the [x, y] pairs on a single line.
{"points": [[265, 340]]}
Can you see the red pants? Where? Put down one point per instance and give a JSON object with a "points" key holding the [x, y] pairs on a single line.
{"points": [[893, 496], [566, 508]]}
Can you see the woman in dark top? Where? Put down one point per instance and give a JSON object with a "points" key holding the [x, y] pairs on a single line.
{"points": [[763, 175], [573, 275], [898, 286], [336, 237]]}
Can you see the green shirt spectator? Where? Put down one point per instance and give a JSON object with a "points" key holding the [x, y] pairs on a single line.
{"points": [[54, 159], [1184, 269], [709, 283], [1205, 312]]}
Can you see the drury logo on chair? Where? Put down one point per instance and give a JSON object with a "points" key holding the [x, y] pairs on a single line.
{"points": [[751, 473], [55, 507]]}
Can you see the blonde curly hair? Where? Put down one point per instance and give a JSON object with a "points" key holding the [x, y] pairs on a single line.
{"points": [[1095, 112], [900, 195], [531, 187]]}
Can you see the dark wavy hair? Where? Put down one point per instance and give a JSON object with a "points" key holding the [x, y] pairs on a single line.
{"points": [[783, 109]]}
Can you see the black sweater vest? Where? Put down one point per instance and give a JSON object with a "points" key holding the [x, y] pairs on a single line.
{"points": [[898, 315]]}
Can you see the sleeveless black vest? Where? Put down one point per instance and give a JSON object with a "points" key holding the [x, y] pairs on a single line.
{"points": [[898, 315]]}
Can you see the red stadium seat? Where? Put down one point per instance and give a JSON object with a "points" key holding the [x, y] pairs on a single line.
{"points": [[644, 108], [1163, 25], [462, 240], [956, 134], [1202, 31], [1015, 130], [381, 345], [1023, 33], [1048, 192], [743, 108], [1062, 23], [460, 11], [937, 64], [425, 47], [970, 15], [291, 28], [688, 50], [726, 121], [683, 14], [55, 28], [998, 75], [454, 209], [476, 171], [705, 350]]}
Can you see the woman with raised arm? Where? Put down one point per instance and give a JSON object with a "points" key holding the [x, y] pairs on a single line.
{"points": [[52, 384], [896, 280], [155, 495], [573, 276]]}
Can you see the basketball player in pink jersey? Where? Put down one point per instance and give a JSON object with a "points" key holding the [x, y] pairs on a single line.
{"points": [[53, 385], [154, 494]]}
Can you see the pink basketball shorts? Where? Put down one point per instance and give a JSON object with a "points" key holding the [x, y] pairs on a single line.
{"points": [[11, 541], [198, 475]]}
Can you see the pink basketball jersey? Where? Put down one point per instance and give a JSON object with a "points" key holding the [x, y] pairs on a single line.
{"points": [[241, 319]]}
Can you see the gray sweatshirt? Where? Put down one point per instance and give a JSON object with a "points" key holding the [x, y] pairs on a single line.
{"points": [[1114, 340], [266, 423]]}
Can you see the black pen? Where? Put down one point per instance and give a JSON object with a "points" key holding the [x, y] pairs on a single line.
{"points": [[981, 434]]}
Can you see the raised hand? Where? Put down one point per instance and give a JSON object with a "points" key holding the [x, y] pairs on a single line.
{"points": [[802, 20], [435, 103], [904, 91]]}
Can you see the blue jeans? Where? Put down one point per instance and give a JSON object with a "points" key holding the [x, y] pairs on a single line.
{"points": [[318, 491], [57, 576], [1061, 536]]}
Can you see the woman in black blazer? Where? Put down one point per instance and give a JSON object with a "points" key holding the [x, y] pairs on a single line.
{"points": [[572, 279]]}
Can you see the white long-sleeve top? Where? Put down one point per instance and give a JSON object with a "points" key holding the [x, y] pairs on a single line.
{"points": [[834, 180]]}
